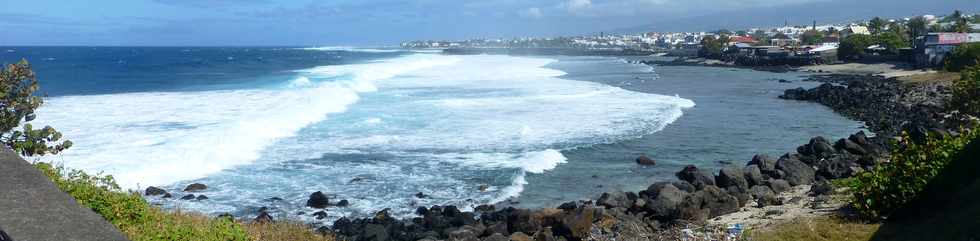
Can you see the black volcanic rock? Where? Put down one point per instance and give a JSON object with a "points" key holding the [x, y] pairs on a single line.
{"points": [[195, 187], [318, 200], [696, 177], [154, 191], [646, 161]]}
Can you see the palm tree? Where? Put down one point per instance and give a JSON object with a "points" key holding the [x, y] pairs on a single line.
{"points": [[917, 26], [875, 26]]}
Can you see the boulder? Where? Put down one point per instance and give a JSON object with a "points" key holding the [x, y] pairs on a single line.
{"points": [[850, 146], [707, 203], [188, 197], [742, 195], [318, 200], [753, 175], [764, 162], [778, 186], [195, 187], [578, 224], [568, 206], [202, 197], [731, 176], [796, 172], [154, 191], [646, 161], [838, 166], [320, 215], [519, 236], [464, 234], [343, 203], [485, 208], [764, 196], [664, 205], [167, 195], [496, 237], [263, 217], [696, 177], [615, 199], [821, 188]]}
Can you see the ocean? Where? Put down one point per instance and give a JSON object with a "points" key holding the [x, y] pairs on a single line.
{"points": [[265, 127]]}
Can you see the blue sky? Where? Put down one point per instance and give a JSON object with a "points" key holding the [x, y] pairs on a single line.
{"points": [[385, 22]]}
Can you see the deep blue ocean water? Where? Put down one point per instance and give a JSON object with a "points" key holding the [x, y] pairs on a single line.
{"points": [[265, 127]]}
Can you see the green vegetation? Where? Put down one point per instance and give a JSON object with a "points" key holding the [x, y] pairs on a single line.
{"points": [[138, 220], [964, 56], [853, 46], [133, 215], [17, 104], [712, 48], [892, 42], [880, 192], [966, 92], [815, 229]]}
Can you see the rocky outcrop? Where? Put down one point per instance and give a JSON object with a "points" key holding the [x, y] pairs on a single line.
{"points": [[691, 174], [318, 200], [646, 161], [195, 187], [154, 191]]}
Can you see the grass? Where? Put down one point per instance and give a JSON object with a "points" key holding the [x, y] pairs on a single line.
{"points": [[138, 220], [815, 229], [932, 77]]}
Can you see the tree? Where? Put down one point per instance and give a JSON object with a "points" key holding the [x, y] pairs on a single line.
{"points": [[875, 26], [761, 36], [17, 105], [892, 42], [961, 26], [966, 91], [711, 47], [853, 46], [812, 37], [964, 56], [917, 26]]}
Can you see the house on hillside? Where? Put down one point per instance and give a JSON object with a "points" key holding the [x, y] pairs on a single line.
{"points": [[854, 29], [932, 49], [741, 39]]}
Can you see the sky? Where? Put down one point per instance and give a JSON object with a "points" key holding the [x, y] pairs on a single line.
{"points": [[388, 22]]}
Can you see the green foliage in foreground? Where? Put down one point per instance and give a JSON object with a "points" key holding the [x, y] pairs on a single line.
{"points": [[891, 185], [17, 104], [963, 57], [966, 92], [133, 215]]}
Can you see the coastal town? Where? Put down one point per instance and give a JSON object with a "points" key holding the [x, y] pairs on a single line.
{"points": [[923, 40]]}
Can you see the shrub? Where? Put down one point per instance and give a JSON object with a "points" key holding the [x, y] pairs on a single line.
{"points": [[891, 185], [966, 92], [17, 104], [964, 56], [853, 46], [133, 215]]}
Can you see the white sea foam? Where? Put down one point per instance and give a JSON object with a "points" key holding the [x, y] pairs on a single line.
{"points": [[421, 123], [161, 137]]}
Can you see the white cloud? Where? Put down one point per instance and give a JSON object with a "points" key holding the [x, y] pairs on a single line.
{"points": [[575, 5], [531, 13]]}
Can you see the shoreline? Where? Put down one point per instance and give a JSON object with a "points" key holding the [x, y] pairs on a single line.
{"points": [[700, 196], [663, 206]]}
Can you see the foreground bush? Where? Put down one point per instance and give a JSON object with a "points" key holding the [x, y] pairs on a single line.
{"points": [[966, 91], [138, 220], [133, 215], [963, 57], [885, 189]]}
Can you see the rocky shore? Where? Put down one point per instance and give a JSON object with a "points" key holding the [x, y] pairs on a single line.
{"points": [[664, 210], [685, 61]]}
